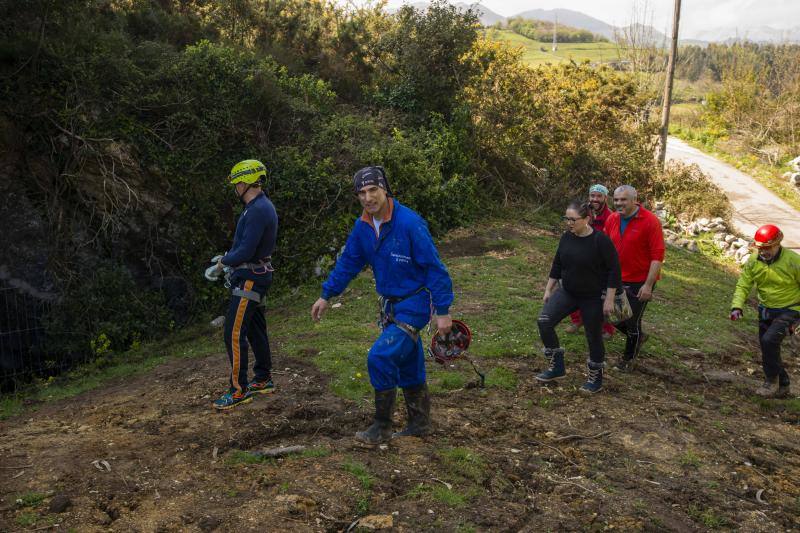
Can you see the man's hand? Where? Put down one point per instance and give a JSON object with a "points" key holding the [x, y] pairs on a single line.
{"points": [[645, 293], [444, 324], [736, 314], [319, 308]]}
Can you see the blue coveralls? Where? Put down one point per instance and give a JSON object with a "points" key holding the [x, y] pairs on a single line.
{"points": [[408, 270], [253, 242]]}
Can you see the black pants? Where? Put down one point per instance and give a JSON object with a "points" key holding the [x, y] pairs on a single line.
{"points": [[560, 305], [773, 325], [246, 327], [632, 328]]}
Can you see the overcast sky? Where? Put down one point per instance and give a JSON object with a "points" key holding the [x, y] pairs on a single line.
{"points": [[696, 15]]}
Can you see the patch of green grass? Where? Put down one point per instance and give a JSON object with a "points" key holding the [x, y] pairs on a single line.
{"points": [[27, 519], [316, 451], [537, 53], [464, 463], [696, 399], [449, 497], [362, 506], [690, 459], [283, 488], [501, 378], [30, 499], [546, 402], [447, 380], [708, 516], [791, 405], [466, 528], [359, 470], [242, 457], [419, 492]]}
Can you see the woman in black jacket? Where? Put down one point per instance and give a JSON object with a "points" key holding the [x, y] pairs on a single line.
{"points": [[585, 275]]}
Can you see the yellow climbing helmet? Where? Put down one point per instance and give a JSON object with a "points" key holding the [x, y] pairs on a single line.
{"points": [[249, 171]]}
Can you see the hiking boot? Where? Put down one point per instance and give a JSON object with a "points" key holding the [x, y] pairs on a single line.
{"points": [[784, 391], [381, 429], [572, 327], [555, 358], [418, 406], [594, 381], [231, 399], [769, 389], [625, 364], [261, 387]]}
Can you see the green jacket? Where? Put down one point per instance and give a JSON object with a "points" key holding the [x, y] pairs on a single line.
{"points": [[778, 284]]}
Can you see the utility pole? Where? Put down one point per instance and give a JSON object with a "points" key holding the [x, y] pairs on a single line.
{"points": [[555, 26], [673, 52]]}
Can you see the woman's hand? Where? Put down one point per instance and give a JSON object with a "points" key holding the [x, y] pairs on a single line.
{"points": [[608, 306]]}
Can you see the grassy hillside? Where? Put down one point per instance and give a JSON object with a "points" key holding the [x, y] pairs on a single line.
{"points": [[534, 55], [679, 444]]}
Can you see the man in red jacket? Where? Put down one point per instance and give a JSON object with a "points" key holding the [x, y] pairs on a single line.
{"points": [[598, 195], [639, 239]]}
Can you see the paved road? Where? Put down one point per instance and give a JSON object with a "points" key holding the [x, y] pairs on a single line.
{"points": [[753, 204]]}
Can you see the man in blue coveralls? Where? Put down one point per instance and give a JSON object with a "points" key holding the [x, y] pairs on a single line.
{"points": [[411, 281], [249, 264]]}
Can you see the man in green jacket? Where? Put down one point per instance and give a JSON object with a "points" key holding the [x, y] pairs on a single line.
{"points": [[775, 272]]}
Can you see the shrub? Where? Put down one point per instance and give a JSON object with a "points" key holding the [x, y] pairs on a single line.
{"points": [[687, 190]]}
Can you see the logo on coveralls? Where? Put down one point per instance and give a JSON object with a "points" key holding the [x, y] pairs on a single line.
{"points": [[399, 258]]}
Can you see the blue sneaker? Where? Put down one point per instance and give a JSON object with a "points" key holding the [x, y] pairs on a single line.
{"points": [[594, 382], [229, 400], [555, 357], [261, 387]]}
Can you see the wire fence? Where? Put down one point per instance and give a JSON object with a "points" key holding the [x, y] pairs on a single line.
{"points": [[24, 353]]}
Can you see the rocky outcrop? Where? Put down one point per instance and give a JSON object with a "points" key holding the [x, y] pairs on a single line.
{"points": [[682, 233]]}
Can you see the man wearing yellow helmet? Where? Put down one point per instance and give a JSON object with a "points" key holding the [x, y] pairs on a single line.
{"points": [[249, 262]]}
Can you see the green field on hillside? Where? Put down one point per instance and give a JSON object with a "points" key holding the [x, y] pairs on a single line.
{"points": [[538, 53]]}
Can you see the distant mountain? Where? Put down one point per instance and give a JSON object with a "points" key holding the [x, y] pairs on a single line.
{"points": [[575, 19], [648, 33], [487, 16], [759, 34]]}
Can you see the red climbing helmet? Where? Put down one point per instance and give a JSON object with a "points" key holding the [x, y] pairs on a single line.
{"points": [[452, 345], [768, 235]]}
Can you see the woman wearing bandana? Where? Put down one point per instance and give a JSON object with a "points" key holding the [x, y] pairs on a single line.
{"points": [[411, 281]]}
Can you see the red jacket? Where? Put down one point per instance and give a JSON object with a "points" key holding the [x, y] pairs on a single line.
{"points": [[642, 242], [599, 221]]}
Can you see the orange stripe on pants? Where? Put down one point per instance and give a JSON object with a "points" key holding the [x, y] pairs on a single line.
{"points": [[236, 334]]}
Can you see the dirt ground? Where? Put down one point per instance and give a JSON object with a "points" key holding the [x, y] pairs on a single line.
{"points": [[666, 447], [635, 457]]}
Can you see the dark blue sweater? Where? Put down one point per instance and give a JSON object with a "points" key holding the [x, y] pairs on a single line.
{"points": [[254, 240]]}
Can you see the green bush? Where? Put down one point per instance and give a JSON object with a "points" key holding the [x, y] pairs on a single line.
{"points": [[687, 190], [107, 311]]}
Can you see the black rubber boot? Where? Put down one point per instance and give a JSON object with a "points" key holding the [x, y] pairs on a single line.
{"points": [[381, 429], [418, 405]]}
